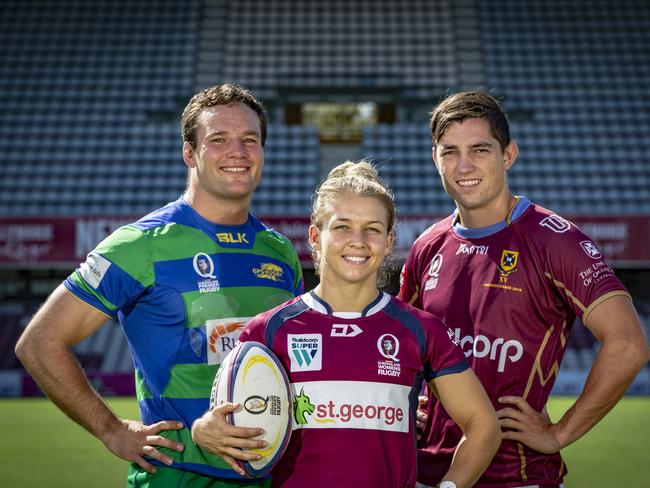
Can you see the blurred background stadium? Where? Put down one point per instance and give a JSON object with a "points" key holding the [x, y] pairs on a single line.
{"points": [[91, 94]]}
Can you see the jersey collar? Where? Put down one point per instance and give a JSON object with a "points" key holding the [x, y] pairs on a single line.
{"points": [[521, 205], [316, 303]]}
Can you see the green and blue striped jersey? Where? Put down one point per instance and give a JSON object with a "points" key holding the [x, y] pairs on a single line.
{"points": [[182, 288]]}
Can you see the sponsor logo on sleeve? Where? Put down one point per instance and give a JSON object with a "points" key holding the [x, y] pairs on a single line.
{"points": [[351, 405], [434, 272], [305, 352], [596, 273], [94, 269], [388, 347], [590, 249], [204, 267]]}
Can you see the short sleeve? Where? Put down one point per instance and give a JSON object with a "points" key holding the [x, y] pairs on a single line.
{"points": [[578, 270], [409, 280], [115, 273], [254, 330], [442, 355]]}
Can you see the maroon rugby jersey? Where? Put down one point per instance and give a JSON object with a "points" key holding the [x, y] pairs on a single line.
{"points": [[510, 292], [355, 378]]}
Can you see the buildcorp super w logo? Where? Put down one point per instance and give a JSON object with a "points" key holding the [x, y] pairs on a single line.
{"points": [[305, 351]]}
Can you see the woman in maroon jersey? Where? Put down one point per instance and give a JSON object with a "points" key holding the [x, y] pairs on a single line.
{"points": [[355, 357]]}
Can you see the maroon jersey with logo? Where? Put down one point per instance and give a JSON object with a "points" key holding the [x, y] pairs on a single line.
{"points": [[510, 292], [355, 380]]}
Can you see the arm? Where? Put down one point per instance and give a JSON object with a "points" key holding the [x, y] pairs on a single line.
{"points": [[467, 404], [45, 350], [624, 351], [213, 433]]}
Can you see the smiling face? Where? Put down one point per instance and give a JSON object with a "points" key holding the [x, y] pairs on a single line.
{"points": [[353, 241], [227, 159], [473, 169]]}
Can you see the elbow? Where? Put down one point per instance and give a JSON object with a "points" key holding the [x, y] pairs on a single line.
{"points": [[26, 350], [21, 349], [496, 435], [638, 355]]}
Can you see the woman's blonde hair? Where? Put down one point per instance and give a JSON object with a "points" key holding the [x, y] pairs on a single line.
{"points": [[357, 177]]}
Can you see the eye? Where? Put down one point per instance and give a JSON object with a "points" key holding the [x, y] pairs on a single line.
{"points": [[250, 141], [218, 140], [374, 229], [341, 227]]}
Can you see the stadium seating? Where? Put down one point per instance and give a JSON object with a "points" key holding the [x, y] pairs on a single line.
{"points": [[365, 43], [574, 77]]}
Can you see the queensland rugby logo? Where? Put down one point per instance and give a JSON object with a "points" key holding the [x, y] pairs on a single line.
{"points": [[434, 272], [388, 347], [269, 271], [204, 267]]}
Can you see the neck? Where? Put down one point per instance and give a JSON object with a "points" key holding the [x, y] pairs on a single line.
{"points": [[346, 298], [487, 216], [219, 211]]}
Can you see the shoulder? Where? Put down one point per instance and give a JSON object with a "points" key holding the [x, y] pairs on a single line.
{"points": [[282, 312], [263, 326], [408, 314], [434, 232], [549, 229], [272, 238], [431, 237]]}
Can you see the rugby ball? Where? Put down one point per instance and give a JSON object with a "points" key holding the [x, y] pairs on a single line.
{"points": [[252, 375]]}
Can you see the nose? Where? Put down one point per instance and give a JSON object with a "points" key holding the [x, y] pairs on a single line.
{"points": [[236, 149], [465, 163], [358, 238]]}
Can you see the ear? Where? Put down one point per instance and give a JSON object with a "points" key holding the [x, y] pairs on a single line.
{"points": [[188, 155], [390, 242], [510, 154], [433, 156], [314, 238]]}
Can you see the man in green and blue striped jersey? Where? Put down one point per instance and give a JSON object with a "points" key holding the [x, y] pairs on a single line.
{"points": [[182, 281]]}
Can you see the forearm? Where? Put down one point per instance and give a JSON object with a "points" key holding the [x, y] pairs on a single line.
{"points": [[474, 453], [613, 370], [59, 375]]}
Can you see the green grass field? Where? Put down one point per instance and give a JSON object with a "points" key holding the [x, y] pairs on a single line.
{"points": [[40, 447]]}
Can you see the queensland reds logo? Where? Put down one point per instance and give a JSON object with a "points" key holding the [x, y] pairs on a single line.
{"points": [[388, 346], [203, 265], [436, 264]]}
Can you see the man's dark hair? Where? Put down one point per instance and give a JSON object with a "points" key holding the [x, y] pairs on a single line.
{"points": [[224, 94], [470, 105]]}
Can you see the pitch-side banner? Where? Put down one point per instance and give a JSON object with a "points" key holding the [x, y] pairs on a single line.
{"points": [[64, 242]]}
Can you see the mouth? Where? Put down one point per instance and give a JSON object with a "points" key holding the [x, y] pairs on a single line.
{"points": [[356, 259], [234, 169], [468, 183]]}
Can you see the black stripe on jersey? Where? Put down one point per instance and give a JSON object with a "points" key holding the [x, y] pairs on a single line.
{"points": [[276, 320], [408, 320]]}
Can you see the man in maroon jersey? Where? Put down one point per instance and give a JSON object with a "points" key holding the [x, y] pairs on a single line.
{"points": [[509, 278]]}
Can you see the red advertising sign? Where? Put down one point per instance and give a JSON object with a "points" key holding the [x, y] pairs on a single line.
{"points": [[65, 241]]}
